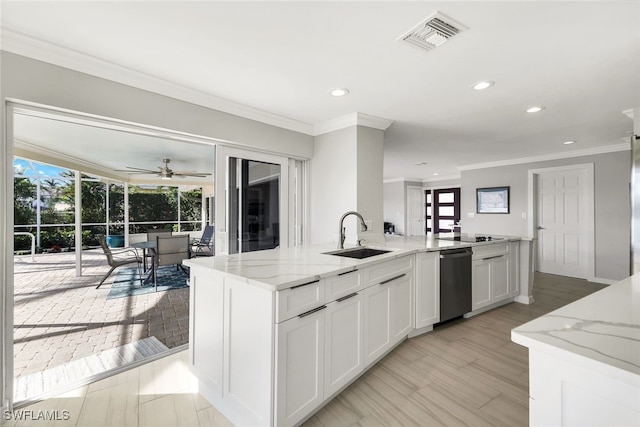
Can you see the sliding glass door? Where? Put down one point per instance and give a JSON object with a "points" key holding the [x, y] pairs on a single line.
{"points": [[254, 214], [254, 205]]}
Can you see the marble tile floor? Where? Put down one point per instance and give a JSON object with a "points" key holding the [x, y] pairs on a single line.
{"points": [[466, 372], [60, 318]]}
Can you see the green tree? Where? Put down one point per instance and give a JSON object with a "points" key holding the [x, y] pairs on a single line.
{"points": [[24, 195]]}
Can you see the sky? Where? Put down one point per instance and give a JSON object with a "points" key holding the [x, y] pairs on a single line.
{"points": [[33, 169]]}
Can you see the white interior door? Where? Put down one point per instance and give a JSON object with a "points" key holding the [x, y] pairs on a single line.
{"points": [[563, 217], [415, 211]]}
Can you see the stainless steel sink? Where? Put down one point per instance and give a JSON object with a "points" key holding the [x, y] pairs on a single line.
{"points": [[358, 253]]}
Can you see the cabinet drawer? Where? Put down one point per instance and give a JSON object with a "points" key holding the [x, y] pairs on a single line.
{"points": [[386, 270], [487, 251], [299, 299], [342, 284]]}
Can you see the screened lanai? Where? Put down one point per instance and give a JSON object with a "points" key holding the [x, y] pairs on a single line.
{"points": [[74, 180]]}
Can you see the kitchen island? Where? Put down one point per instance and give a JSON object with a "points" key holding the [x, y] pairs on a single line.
{"points": [[584, 360], [276, 334]]}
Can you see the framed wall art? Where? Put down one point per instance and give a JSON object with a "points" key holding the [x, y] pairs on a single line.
{"points": [[492, 200]]}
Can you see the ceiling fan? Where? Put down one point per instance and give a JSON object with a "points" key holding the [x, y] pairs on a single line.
{"points": [[164, 172]]}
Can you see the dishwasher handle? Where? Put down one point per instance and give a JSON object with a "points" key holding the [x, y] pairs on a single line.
{"points": [[455, 255]]}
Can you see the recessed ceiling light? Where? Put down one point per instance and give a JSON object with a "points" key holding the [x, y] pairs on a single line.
{"points": [[535, 109], [339, 92], [481, 85], [568, 142], [436, 174]]}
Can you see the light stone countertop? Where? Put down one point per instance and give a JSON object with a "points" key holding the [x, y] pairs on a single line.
{"points": [[600, 331], [278, 269]]}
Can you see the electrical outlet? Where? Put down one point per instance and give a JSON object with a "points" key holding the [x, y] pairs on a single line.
{"points": [[524, 215]]}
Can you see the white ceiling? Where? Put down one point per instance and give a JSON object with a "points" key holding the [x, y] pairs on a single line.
{"points": [[95, 148], [581, 60]]}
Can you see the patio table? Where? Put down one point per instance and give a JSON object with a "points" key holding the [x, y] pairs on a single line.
{"points": [[149, 245]]}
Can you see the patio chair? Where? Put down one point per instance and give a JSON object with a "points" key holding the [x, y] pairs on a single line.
{"points": [[119, 258], [170, 250], [151, 237], [204, 245], [153, 232]]}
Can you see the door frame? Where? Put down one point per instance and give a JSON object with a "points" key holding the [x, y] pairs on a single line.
{"points": [[588, 257], [6, 258]]}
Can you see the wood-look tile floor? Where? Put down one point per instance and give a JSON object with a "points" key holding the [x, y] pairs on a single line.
{"points": [[465, 372]]}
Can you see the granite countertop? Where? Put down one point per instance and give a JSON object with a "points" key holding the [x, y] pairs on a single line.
{"points": [[279, 269], [603, 327]]}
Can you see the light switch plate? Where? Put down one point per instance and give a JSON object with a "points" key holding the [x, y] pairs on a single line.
{"points": [[471, 215]]}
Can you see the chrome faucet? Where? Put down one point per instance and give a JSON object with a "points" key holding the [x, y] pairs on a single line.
{"points": [[341, 230]]}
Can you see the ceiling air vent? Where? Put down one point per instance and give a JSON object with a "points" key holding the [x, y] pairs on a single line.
{"points": [[432, 32]]}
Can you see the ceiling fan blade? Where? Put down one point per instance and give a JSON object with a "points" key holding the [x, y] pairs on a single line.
{"points": [[193, 174], [132, 169], [139, 172]]}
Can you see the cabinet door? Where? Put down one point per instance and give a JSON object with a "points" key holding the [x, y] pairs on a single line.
{"points": [[481, 283], [427, 287], [401, 307], [300, 367], [514, 269], [206, 300], [377, 328], [248, 352], [344, 356], [500, 277]]}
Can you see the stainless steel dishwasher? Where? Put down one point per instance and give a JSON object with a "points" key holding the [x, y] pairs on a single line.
{"points": [[455, 283]]}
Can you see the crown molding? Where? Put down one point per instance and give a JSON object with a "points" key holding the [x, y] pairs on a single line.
{"points": [[24, 45], [349, 120], [442, 178], [555, 156]]}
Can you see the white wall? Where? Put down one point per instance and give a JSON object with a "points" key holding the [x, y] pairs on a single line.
{"points": [[370, 164], [333, 183], [35, 81], [612, 206], [346, 175]]}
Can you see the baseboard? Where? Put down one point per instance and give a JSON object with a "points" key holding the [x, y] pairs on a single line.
{"points": [[416, 332], [602, 281], [523, 299]]}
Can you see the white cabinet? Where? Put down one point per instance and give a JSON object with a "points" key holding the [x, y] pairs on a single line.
{"points": [[388, 314], [427, 300], [481, 283], [500, 277], [514, 270], [272, 358], [300, 366], [401, 313], [344, 356], [377, 330], [299, 299], [206, 340], [491, 275]]}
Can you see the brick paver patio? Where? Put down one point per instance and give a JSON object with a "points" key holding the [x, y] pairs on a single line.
{"points": [[60, 317]]}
